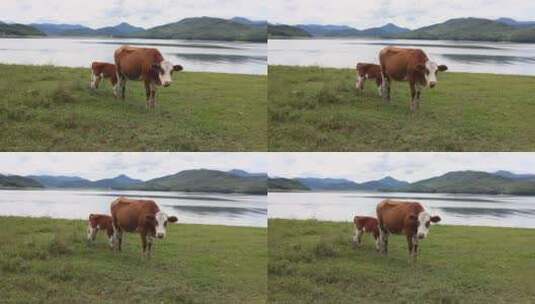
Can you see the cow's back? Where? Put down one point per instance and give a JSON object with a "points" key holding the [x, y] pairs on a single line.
{"points": [[127, 213], [135, 63], [399, 63]]}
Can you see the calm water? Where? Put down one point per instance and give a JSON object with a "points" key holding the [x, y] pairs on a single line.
{"points": [[209, 56], [460, 209], [465, 56], [195, 208]]}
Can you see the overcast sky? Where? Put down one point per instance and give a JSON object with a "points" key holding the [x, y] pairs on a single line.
{"points": [[136, 165], [407, 13], [361, 167], [99, 13]]}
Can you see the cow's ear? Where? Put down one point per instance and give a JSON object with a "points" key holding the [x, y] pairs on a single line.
{"points": [[442, 68], [435, 219], [172, 219], [177, 68]]}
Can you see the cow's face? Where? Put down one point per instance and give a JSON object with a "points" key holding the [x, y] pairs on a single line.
{"points": [[431, 70], [423, 222], [162, 219], [165, 71]]}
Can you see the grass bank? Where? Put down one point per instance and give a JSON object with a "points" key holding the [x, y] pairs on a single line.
{"points": [[319, 109], [48, 261], [46, 108], [313, 262]]}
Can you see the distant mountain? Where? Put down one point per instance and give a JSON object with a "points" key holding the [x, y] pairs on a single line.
{"points": [[464, 29], [122, 29], [204, 180], [329, 30], [243, 173], [16, 29], [517, 24], [257, 23], [475, 182], [206, 28], [50, 181], [279, 184], [57, 181], [385, 30], [53, 29], [331, 184], [16, 181], [282, 30], [387, 183], [511, 175]]}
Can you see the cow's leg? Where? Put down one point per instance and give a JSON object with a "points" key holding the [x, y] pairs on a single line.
{"points": [[149, 245], [119, 240], [148, 92], [360, 82], [143, 243], [93, 78], [121, 87], [410, 244], [418, 92], [414, 248], [357, 238], [413, 96], [383, 240], [91, 232], [153, 94], [98, 78], [377, 244], [379, 85]]}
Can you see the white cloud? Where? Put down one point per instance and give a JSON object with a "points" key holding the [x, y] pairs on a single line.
{"points": [[137, 165], [408, 13], [99, 13], [362, 167]]}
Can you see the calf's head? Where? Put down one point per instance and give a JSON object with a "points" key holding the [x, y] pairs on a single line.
{"points": [[422, 222], [430, 70], [164, 71], [157, 223]]}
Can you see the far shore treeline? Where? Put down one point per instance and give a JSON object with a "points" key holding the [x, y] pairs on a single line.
{"points": [[476, 29], [468, 182], [198, 28], [198, 180]]}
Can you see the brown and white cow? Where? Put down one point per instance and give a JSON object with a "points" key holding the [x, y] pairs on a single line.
{"points": [[410, 65], [368, 71], [365, 224], [100, 70], [408, 218], [100, 222], [139, 216], [144, 64]]}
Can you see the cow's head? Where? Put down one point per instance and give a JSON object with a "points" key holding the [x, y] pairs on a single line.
{"points": [[158, 223], [164, 71], [422, 222], [430, 70]]}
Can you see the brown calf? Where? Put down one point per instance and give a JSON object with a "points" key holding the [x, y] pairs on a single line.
{"points": [[365, 224], [144, 64], [368, 71], [410, 65], [98, 222], [408, 218], [139, 216], [101, 70]]}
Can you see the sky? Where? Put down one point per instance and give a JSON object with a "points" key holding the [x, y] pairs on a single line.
{"points": [[407, 13], [100, 13], [411, 167], [143, 166]]}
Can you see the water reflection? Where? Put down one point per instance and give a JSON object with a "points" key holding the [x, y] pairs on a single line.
{"points": [[489, 59], [221, 58]]}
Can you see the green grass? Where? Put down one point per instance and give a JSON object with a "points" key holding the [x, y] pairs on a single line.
{"points": [[48, 261], [314, 262], [45, 108], [319, 109]]}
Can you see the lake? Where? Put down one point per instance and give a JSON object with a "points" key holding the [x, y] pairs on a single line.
{"points": [[454, 209], [459, 56], [198, 56], [193, 208]]}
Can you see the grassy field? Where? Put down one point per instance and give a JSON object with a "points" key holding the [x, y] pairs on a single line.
{"points": [[314, 262], [319, 109], [45, 108], [48, 261]]}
